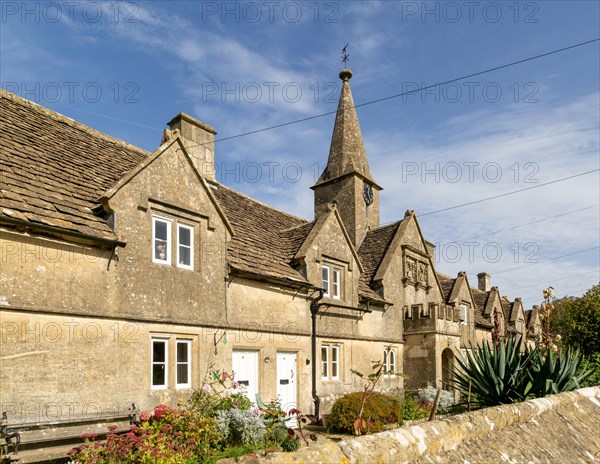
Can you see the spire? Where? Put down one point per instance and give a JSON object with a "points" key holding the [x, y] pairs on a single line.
{"points": [[347, 152]]}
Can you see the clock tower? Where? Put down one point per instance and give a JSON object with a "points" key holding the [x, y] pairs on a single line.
{"points": [[347, 180]]}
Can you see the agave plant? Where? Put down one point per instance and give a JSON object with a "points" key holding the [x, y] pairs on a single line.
{"points": [[498, 375], [502, 374], [555, 373]]}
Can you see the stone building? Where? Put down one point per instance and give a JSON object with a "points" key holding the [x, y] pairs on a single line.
{"points": [[126, 275]]}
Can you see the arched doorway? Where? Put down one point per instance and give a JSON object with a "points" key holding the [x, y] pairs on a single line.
{"points": [[447, 366]]}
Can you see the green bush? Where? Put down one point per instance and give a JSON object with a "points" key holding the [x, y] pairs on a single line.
{"points": [[413, 410], [166, 436], [379, 411], [590, 363]]}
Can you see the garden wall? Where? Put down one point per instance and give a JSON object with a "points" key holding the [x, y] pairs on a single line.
{"points": [[558, 428]]}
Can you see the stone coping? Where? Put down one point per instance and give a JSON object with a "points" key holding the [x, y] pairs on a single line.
{"points": [[408, 444]]}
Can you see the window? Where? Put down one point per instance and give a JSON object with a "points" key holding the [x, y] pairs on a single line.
{"points": [[185, 246], [416, 309], [184, 364], [335, 283], [389, 362], [464, 314], [332, 282], [159, 363], [161, 240], [408, 312], [424, 311], [325, 362], [330, 362], [162, 244]]}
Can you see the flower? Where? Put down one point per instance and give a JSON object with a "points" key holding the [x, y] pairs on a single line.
{"points": [[206, 388], [234, 384]]}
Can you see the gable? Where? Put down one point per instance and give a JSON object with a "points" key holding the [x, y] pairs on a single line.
{"points": [[167, 177]]}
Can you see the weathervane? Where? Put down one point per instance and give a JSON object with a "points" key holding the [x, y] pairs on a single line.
{"points": [[345, 56]]}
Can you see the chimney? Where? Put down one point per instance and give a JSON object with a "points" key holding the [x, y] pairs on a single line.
{"points": [[483, 281], [199, 141]]}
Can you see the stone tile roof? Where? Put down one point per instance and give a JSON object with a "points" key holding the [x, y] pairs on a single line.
{"points": [[53, 170], [264, 237], [371, 252], [480, 301], [447, 283], [373, 248]]}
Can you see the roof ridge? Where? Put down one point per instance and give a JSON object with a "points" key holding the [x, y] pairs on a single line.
{"points": [[289, 229], [305, 221], [445, 276], [378, 228], [69, 121]]}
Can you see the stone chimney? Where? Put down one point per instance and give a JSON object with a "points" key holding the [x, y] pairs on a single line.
{"points": [[199, 140], [483, 281]]}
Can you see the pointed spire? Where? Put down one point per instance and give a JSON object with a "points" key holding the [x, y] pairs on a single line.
{"points": [[347, 152]]}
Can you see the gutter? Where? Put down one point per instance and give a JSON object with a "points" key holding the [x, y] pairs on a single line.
{"points": [[111, 243]]}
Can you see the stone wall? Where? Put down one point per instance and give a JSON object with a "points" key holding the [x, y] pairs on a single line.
{"points": [[558, 428]]}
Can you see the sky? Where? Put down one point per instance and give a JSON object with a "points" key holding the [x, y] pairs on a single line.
{"points": [[126, 68]]}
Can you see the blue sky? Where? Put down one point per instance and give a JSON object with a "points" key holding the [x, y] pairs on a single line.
{"points": [[127, 68]]}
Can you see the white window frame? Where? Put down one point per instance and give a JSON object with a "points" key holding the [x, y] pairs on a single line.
{"points": [[191, 247], [326, 281], [169, 223], [389, 362], [330, 361], [188, 363], [325, 362], [336, 283], [165, 343], [335, 360]]}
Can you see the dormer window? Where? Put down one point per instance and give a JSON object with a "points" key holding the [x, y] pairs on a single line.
{"points": [[332, 282]]}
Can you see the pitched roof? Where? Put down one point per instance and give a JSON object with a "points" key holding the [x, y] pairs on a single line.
{"points": [[480, 302], [446, 283], [374, 247], [53, 170], [264, 237], [347, 151]]}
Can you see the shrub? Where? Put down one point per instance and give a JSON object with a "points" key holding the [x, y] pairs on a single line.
{"points": [[240, 427], [291, 442], [167, 436], [413, 410], [427, 396], [379, 410], [590, 363]]}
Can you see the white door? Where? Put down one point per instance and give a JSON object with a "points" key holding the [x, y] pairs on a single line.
{"points": [[245, 368], [286, 381]]}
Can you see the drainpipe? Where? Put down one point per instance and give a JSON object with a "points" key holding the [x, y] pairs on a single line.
{"points": [[314, 309]]}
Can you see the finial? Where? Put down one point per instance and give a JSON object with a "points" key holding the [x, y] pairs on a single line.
{"points": [[345, 74]]}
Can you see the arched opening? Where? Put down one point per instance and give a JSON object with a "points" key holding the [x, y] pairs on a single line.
{"points": [[447, 366]]}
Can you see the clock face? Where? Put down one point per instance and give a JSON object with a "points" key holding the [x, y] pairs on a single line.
{"points": [[368, 194]]}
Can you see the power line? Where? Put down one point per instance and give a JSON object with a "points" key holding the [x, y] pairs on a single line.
{"points": [[507, 193], [597, 271], [547, 260], [526, 224], [390, 97]]}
